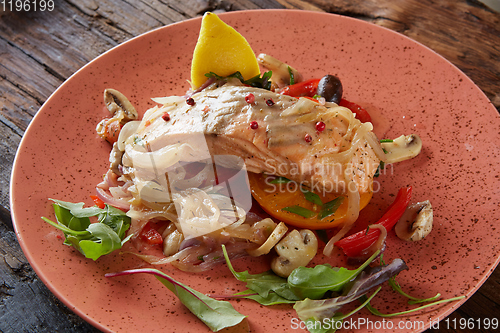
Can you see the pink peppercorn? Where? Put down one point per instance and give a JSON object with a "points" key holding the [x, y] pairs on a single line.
{"points": [[308, 138], [320, 126], [165, 116], [254, 125], [190, 101], [250, 98]]}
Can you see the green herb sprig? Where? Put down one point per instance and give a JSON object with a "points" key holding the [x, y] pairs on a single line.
{"points": [[93, 240], [257, 81]]}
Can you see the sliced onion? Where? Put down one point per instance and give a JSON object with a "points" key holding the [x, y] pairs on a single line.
{"points": [[127, 131], [271, 241], [380, 241], [352, 213], [372, 140], [112, 201], [168, 100]]}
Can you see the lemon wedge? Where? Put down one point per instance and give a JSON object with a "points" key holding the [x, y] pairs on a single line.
{"points": [[222, 50]]}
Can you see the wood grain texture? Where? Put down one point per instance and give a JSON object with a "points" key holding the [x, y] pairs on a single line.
{"points": [[39, 50]]}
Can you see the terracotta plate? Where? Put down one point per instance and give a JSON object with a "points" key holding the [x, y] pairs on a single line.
{"points": [[406, 86]]}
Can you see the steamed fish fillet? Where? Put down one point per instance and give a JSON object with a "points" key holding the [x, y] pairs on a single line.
{"points": [[285, 143]]}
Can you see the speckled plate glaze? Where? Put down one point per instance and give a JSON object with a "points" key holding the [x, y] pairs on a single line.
{"points": [[408, 87]]}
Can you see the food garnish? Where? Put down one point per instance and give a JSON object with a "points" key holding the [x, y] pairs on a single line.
{"points": [[93, 240]]}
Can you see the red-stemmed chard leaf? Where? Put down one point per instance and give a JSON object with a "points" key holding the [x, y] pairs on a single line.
{"points": [[215, 314]]}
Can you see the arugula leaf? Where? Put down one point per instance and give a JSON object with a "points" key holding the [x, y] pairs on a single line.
{"points": [[215, 314], [296, 209], [107, 241], [77, 210], [257, 81], [330, 207], [314, 282], [93, 240], [116, 219], [366, 280], [271, 299], [263, 284]]}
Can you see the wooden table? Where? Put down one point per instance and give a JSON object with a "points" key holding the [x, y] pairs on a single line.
{"points": [[39, 50]]}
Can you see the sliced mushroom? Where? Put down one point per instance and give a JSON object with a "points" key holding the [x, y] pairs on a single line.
{"points": [[281, 71], [119, 106], [115, 159], [416, 222], [295, 250], [402, 148], [274, 238]]}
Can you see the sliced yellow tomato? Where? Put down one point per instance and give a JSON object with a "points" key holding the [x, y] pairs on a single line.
{"points": [[222, 50], [273, 197]]}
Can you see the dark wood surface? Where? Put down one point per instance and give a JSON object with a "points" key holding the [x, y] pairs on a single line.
{"points": [[39, 50]]}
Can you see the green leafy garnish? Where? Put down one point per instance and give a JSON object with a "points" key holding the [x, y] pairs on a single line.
{"points": [[92, 239], [299, 210], [388, 315], [312, 197], [411, 300], [314, 282], [292, 77], [215, 314], [386, 140], [330, 207], [306, 287], [322, 235], [381, 166], [264, 284], [257, 81], [280, 180]]}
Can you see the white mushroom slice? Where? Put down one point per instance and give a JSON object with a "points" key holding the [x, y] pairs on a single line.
{"points": [[272, 240], [119, 105], [295, 250], [402, 148], [281, 71], [416, 222]]}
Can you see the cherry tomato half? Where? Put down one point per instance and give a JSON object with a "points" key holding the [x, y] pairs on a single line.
{"points": [[273, 197]]}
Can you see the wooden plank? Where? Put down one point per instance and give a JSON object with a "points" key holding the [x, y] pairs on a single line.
{"points": [[8, 146], [22, 292]]}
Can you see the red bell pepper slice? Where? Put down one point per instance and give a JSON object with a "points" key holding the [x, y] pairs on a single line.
{"points": [[361, 113], [150, 235], [98, 202], [304, 88], [354, 245]]}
